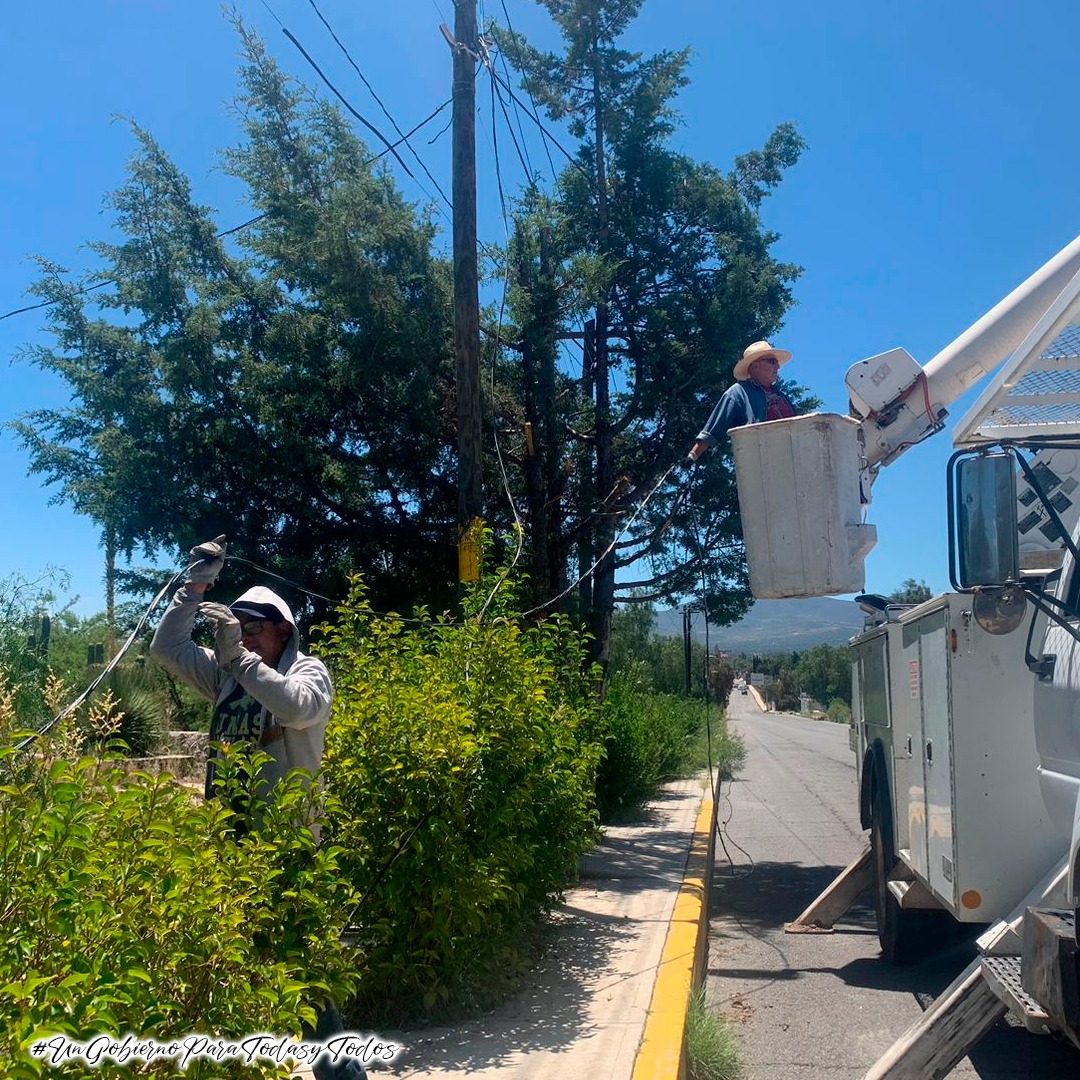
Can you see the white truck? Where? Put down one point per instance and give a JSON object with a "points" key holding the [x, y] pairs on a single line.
{"points": [[966, 708]]}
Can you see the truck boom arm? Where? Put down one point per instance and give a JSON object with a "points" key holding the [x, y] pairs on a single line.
{"points": [[912, 401]]}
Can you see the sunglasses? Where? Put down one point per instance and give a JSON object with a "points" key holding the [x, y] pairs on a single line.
{"points": [[252, 628]]}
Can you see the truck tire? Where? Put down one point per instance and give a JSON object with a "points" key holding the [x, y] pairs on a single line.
{"points": [[905, 936]]}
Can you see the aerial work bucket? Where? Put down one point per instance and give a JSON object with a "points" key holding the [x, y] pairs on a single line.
{"points": [[798, 483]]}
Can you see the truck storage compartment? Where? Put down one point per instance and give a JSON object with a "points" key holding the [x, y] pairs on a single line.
{"points": [[978, 831]]}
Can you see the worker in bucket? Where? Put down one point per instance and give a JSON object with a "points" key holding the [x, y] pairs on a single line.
{"points": [[751, 399], [266, 694]]}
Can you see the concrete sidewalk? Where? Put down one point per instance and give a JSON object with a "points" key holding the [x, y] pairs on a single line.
{"points": [[608, 999]]}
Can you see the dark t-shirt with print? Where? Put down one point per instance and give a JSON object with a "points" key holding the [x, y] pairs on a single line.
{"points": [[777, 407], [237, 719]]}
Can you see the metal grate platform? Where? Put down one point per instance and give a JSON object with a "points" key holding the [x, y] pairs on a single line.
{"points": [[1037, 393], [1002, 975]]}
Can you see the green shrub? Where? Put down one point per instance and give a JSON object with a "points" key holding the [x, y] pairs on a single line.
{"points": [[470, 749], [641, 745], [838, 712], [135, 909], [144, 707], [651, 738]]}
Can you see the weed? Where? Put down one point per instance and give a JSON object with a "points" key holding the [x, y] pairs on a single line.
{"points": [[711, 1048]]}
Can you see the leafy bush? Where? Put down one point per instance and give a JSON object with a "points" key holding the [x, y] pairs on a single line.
{"points": [[468, 752], [137, 910], [144, 709], [838, 712], [641, 744], [651, 738]]}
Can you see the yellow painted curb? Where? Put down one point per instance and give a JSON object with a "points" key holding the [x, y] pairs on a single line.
{"points": [[758, 698], [662, 1052]]}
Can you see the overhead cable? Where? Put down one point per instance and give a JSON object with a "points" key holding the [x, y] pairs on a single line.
{"points": [[235, 228], [525, 78], [547, 134], [344, 101], [378, 100]]}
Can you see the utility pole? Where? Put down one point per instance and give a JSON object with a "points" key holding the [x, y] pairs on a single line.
{"points": [[603, 585], [466, 290], [687, 625]]}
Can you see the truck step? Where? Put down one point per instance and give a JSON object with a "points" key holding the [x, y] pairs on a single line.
{"points": [[1002, 975]]}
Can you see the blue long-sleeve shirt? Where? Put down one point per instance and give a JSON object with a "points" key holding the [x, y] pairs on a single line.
{"points": [[741, 403]]}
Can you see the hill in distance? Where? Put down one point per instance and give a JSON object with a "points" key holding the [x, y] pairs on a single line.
{"points": [[774, 626]]}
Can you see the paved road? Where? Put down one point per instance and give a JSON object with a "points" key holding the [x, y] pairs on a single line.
{"points": [[814, 1006]]}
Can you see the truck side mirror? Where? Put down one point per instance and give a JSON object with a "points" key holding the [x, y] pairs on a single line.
{"points": [[982, 524]]}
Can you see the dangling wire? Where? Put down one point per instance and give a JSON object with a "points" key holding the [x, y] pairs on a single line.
{"points": [[109, 667], [278, 577], [716, 786], [610, 548]]}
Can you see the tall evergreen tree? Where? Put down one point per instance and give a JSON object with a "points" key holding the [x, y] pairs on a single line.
{"points": [[665, 263], [290, 386]]}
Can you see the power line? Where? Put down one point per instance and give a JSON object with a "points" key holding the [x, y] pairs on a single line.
{"points": [[519, 528], [496, 93], [378, 100], [344, 101], [525, 77], [517, 115], [230, 231], [547, 134]]}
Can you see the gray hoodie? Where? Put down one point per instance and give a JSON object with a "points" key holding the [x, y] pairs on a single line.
{"points": [[295, 698]]}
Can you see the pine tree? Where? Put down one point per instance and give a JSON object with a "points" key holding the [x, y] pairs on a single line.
{"points": [[661, 266]]}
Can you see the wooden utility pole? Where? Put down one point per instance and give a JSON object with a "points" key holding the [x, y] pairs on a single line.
{"points": [[603, 585], [466, 292]]}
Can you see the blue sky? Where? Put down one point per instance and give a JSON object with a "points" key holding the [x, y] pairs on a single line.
{"points": [[940, 171]]}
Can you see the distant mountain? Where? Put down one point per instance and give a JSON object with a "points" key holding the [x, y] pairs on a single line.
{"points": [[774, 626]]}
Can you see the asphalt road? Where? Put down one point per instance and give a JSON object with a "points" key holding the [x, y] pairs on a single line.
{"points": [[820, 1006]]}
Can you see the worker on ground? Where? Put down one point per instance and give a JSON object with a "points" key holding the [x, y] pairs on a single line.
{"points": [[266, 694], [751, 399]]}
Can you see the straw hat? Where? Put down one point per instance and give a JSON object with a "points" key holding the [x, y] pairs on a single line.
{"points": [[758, 351]]}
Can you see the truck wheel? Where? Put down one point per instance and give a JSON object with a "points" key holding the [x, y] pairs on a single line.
{"points": [[904, 935]]}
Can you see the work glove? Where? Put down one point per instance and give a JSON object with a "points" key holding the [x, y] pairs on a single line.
{"points": [[688, 462], [208, 560], [227, 634]]}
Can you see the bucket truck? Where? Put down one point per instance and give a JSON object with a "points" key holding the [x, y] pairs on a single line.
{"points": [[966, 708]]}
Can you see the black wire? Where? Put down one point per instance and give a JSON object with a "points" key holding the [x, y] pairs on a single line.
{"points": [[278, 577], [528, 88], [495, 93], [344, 101], [383, 870], [49, 303], [527, 164], [235, 228], [378, 100], [547, 134]]}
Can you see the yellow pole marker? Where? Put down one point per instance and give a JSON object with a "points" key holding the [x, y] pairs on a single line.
{"points": [[470, 544]]}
